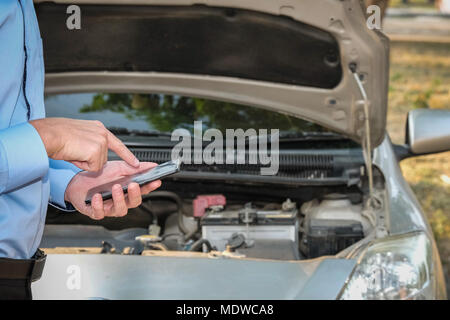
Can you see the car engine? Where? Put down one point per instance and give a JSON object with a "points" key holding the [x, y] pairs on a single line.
{"points": [[283, 230]]}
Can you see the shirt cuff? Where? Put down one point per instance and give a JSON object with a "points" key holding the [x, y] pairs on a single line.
{"points": [[60, 174], [23, 157]]}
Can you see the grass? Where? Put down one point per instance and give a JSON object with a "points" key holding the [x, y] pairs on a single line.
{"points": [[420, 78]]}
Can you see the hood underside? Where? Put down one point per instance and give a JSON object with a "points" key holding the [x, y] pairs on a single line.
{"points": [[292, 58]]}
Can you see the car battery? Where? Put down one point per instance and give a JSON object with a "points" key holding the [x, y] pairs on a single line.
{"points": [[219, 225]]}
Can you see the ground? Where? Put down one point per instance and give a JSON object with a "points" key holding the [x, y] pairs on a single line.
{"points": [[420, 78], [423, 4]]}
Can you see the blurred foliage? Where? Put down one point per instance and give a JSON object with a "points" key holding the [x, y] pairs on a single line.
{"points": [[422, 99], [419, 78]]}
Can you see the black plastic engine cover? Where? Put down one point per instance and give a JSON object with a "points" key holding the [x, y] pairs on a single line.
{"points": [[328, 237]]}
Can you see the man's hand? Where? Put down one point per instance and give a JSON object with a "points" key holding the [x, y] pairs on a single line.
{"points": [[117, 207], [82, 142]]}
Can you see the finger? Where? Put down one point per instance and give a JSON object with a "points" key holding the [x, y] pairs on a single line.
{"points": [[108, 206], [99, 155], [121, 150], [150, 187], [134, 195], [104, 155], [97, 207], [120, 207], [93, 166], [81, 164], [85, 209]]}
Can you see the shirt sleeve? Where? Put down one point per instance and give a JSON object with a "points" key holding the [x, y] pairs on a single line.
{"points": [[60, 174], [23, 157]]}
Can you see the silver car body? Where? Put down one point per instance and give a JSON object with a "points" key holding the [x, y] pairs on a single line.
{"points": [[202, 276]]}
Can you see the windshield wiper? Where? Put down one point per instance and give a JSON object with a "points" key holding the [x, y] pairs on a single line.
{"points": [[314, 135], [290, 136], [284, 136]]}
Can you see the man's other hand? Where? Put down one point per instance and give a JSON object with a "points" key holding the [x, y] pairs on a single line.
{"points": [[120, 203], [84, 143]]}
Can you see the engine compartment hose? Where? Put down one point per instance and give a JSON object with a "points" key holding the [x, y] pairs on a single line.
{"points": [[176, 198], [197, 245]]}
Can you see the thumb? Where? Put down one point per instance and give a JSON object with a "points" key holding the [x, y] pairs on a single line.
{"points": [[83, 165]]}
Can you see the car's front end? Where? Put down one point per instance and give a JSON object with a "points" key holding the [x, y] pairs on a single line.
{"points": [[330, 218]]}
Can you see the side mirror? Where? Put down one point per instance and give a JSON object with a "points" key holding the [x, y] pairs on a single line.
{"points": [[427, 132]]}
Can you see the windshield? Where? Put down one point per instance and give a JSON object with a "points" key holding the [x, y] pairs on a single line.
{"points": [[165, 113]]}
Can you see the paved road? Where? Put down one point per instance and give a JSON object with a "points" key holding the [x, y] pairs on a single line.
{"points": [[413, 25]]}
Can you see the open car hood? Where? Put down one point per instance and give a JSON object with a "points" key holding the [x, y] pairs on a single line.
{"points": [[292, 57], [175, 277]]}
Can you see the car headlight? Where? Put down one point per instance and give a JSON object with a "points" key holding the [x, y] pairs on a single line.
{"points": [[399, 267]]}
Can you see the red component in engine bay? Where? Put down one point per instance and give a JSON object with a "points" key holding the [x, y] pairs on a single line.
{"points": [[202, 202]]}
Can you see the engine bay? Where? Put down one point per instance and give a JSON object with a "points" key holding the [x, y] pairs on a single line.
{"points": [[242, 221]]}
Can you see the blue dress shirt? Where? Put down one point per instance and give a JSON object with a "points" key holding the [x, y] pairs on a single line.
{"points": [[28, 178]]}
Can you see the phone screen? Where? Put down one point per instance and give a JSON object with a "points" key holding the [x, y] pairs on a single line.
{"points": [[158, 172]]}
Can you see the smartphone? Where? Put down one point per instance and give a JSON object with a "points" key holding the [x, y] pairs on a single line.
{"points": [[158, 172]]}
